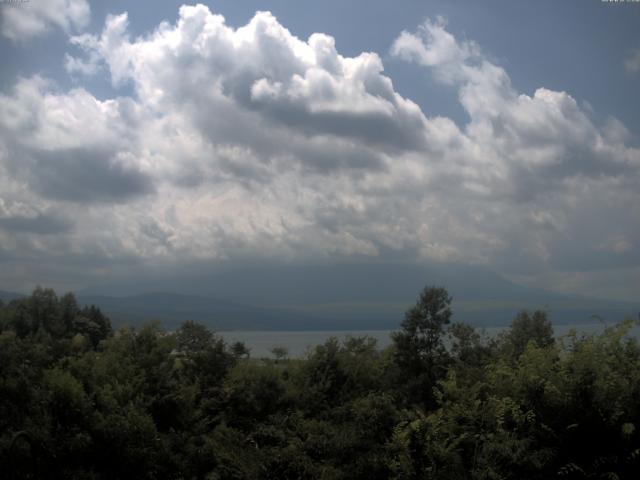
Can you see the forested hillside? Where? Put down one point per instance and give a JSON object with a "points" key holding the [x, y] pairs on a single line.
{"points": [[79, 400]]}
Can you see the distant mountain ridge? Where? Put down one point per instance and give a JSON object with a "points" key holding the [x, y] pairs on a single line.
{"points": [[173, 309], [340, 297], [8, 296]]}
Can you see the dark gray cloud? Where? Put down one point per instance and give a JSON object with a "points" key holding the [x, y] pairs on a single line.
{"points": [[385, 132], [86, 175], [39, 224]]}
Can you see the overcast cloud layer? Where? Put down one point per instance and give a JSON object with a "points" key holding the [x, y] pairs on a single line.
{"points": [[251, 144]]}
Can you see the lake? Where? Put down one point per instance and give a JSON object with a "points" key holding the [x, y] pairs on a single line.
{"points": [[298, 342]]}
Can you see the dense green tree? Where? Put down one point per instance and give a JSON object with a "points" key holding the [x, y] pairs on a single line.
{"points": [[202, 355], [419, 348], [90, 321], [240, 350], [78, 401], [526, 328], [44, 311], [254, 392], [280, 352]]}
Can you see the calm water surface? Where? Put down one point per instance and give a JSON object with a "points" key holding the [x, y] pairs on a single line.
{"points": [[299, 342]]}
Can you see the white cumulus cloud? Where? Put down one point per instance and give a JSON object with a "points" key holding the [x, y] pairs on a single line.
{"points": [[25, 20], [251, 143]]}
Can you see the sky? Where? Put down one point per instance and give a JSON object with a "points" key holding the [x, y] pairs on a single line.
{"points": [[151, 136]]}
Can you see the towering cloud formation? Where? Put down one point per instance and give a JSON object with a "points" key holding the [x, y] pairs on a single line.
{"points": [[251, 143]]}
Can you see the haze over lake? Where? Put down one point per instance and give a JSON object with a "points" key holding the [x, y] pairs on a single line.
{"points": [[299, 344]]}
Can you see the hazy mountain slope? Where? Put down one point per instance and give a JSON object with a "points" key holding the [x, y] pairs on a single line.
{"points": [[8, 296], [173, 309], [343, 296]]}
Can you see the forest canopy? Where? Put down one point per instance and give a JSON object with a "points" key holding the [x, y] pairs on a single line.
{"points": [[80, 400]]}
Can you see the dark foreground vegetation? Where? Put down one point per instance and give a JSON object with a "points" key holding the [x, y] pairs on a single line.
{"points": [[80, 401]]}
